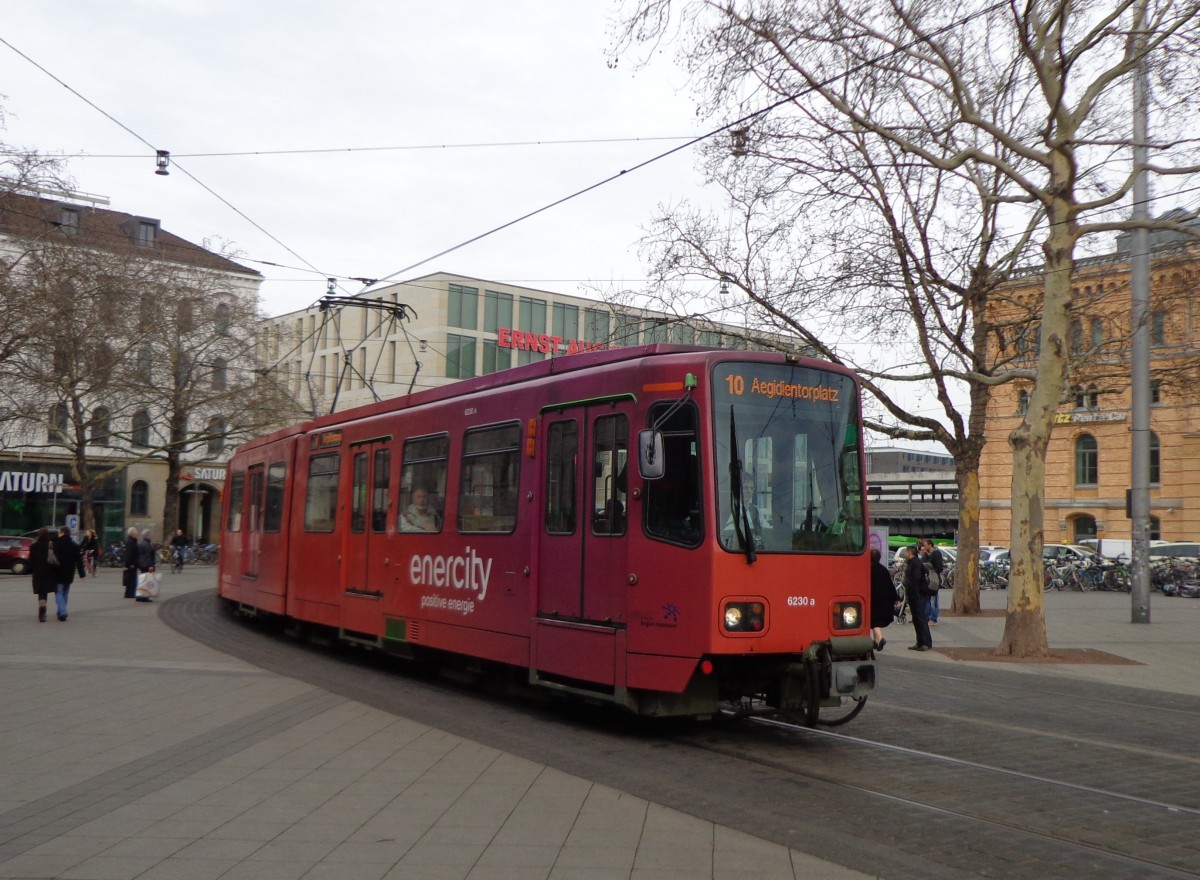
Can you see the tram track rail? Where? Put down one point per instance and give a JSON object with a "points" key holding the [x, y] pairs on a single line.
{"points": [[1017, 784]]}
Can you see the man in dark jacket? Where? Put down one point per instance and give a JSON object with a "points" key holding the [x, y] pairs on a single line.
{"points": [[914, 578], [70, 561], [131, 563], [936, 563]]}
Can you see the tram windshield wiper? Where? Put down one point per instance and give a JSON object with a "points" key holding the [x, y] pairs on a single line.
{"points": [[741, 517]]}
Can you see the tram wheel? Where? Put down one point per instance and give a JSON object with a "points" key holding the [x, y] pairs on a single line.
{"points": [[833, 717]]}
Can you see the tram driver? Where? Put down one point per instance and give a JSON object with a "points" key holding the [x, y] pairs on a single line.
{"points": [[759, 524]]}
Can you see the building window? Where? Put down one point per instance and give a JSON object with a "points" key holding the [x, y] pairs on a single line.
{"points": [[1155, 392], [1083, 527], [655, 330], [683, 334], [533, 315], [140, 428], [147, 233], [220, 374], [565, 321], [629, 330], [1076, 334], [1097, 333], [495, 358], [463, 307], [69, 223], [58, 423], [216, 435], [497, 310], [1158, 328], [1087, 461], [595, 325], [101, 426], [460, 356], [139, 498], [1155, 461], [1155, 529], [221, 317]]}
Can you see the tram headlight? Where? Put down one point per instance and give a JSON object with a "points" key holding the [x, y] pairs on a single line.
{"points": [[745, 617], [847, 615]]}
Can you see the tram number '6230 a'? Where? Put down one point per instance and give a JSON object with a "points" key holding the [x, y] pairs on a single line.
{"points": [[801, 601]]}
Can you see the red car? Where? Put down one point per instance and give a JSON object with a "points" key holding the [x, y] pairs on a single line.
{"points": [[14, 554]]}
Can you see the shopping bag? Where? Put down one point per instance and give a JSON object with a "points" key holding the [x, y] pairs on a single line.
{"points": [[147, 585]]}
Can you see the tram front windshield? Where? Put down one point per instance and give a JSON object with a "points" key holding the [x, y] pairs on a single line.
{"points": [[787, 450]]}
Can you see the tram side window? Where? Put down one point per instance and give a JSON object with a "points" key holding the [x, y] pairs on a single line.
{"points": [[487, 492], [273, 514], [320, 502], [423, 484], [562, 453], [233, 519], [673, 508], [610, 451]]}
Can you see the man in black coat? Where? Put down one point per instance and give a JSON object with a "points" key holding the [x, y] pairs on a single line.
{"points": [[914, 577], [70, 562], [131, 563]]}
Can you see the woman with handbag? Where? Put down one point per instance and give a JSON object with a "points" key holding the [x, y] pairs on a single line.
{"points": [[147, 556], [44, 571]]}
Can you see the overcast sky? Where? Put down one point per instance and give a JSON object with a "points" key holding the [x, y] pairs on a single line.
{"points": [[349, 77]]}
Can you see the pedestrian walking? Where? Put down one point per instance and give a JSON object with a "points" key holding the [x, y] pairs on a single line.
{"points": [[70, 562], [883, 599], [43, 570], [90, 548], [146, 557], [129, 579]]}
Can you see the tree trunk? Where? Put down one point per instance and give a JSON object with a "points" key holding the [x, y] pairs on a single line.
{"points": [[1025, 626], [966, 569]]}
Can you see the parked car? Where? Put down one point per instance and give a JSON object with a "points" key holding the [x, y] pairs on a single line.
{"points": [[993, 554], [14, 553], [1176, 548], [1067, 553]]}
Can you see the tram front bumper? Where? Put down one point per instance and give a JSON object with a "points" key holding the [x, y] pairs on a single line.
{"points": [[852, 673]]}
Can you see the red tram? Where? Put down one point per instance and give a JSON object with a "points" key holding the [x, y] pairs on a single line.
{"points": [[674, 530]]}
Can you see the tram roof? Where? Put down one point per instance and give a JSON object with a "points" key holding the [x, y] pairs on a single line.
{"points": [[527, 373]]}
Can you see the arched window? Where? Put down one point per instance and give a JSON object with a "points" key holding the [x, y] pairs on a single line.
{"points": [[139, 498], [101, 426], [1155, 461], [221, 317], [140, 429], [1087, 461], [1076, 332], [216, 435], [1083, 527], [1097, 332], [1158, 328], [59, 415], [1022, 402], [220, 374]]}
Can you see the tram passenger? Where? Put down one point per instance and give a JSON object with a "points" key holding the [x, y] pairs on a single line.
{"points": [[419, 516]]}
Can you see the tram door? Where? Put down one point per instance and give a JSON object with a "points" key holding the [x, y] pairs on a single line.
{"points": [[583, 546], [252, 524], [363, 559]]}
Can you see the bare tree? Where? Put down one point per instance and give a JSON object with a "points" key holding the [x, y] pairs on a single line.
{"points": [[1031, 97]]}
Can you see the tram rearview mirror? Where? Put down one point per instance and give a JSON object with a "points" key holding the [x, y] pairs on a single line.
{"points": [[651, 463]]}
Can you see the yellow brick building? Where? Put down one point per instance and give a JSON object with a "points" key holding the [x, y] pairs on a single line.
{"points": [[1089, 457]]}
